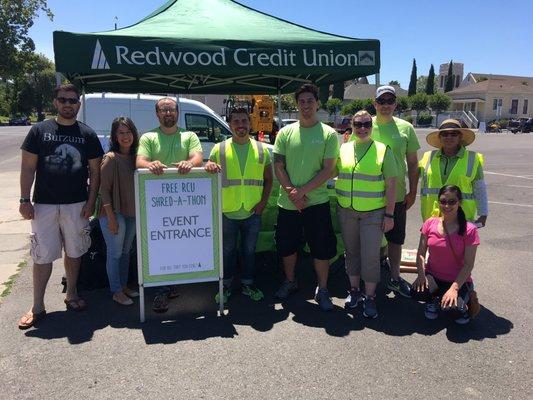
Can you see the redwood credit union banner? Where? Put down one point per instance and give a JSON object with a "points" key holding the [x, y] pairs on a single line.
{"points": [[178, 227], [124, 55]]}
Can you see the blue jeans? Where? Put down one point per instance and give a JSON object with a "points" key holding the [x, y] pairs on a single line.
{"points": [[249, 231], [118, 250]]}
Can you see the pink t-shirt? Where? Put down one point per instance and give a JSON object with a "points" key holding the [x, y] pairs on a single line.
{"points": [[442, 263]]}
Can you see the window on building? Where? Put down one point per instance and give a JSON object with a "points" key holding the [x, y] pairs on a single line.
{"points": [[514, 107], [457, 80], [524, 108], [441, 81], [494, 104]]}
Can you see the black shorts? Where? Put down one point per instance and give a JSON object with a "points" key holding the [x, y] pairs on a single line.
{"points": [[397, 234], [312, 224]]}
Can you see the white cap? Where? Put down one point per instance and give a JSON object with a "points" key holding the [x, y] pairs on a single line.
{"points": [[385, 89]]}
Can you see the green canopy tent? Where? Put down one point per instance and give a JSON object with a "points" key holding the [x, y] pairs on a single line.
{"points": [[211, 46]]}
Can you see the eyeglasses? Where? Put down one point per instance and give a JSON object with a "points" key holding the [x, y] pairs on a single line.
{"points": [[449, 134], [167, 110], [69, 100], [359, 125], [451, 202], [390, 101]]}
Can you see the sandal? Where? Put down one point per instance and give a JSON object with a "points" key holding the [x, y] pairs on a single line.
{"points": [[174, 292], [30, 319], [160, 304], [75, 304]]}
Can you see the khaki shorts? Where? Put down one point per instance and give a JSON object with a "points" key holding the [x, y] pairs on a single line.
{"points": [[56, 226]]}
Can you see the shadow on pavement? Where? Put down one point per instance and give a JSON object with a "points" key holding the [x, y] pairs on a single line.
{"points": [[193, 314]]}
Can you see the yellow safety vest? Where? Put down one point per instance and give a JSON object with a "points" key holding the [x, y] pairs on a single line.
{"points": [[462, 175], [239, 189], [361, 185]]}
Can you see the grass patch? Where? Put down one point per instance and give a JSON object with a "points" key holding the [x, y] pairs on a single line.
{"points": [[9, 283]]}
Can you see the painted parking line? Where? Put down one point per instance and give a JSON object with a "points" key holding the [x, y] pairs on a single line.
{"points": [[509, 175], [511, 204], [520, 186]]}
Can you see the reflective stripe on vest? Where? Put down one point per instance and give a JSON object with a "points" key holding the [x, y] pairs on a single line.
{"points": [[362, 185], [238, 189], [462, 175]]}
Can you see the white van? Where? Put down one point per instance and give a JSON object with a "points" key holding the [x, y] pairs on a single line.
{"points": [[99, 109]]}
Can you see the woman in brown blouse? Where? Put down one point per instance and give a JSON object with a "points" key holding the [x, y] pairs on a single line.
{"points": [[117, 212]]}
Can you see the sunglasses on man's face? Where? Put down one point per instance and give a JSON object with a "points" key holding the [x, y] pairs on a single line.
{"points": [[449, 134], [69, 100], [359, 125], [390, 101], [451, 202]]}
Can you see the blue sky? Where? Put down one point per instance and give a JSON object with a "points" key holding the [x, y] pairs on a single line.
{"points": [[486, 36]]}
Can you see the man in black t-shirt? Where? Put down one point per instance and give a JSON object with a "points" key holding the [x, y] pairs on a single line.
{"points": [[61, 155]]}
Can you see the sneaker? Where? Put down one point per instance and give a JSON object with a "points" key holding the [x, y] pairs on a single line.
{"points": [[369, 307], [432, 310], [252, 292], [354, 296], [130, 292], [226, 294], [400, 286], [323, 299], [122, 299], [463, 319], [286, 289]]}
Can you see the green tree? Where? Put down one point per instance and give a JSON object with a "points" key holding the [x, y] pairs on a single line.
{"points": [[288, 104], [419, 102], [430, 84], [368, 105], [439, 102], [352, 107], [421, 82], [394, 83], [412, 82], [333, 106], [448, 86], [16, 18], [402, 104]]}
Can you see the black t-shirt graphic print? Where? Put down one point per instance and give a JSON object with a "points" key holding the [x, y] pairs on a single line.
{"points": [[62, 168]]}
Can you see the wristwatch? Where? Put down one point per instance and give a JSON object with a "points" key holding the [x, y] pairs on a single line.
{"points": [[23, 200], [389, 215]]}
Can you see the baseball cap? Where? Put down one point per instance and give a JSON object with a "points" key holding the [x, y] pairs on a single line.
{"points": [[385, 89]]}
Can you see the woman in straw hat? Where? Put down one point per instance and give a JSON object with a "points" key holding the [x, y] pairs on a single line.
{"points": [[453, 164]]}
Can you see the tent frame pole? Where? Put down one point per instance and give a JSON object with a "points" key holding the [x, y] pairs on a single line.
{"points": [[279, 106]]}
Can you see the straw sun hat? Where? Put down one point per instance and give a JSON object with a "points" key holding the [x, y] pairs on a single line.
{"points": [[468, 135]]}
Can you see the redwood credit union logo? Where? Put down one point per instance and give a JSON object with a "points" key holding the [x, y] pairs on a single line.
{"points": [[99, 58]]}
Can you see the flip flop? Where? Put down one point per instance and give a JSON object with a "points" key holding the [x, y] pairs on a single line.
{"points": [[75, 304], [30, 319], [160, 303]]}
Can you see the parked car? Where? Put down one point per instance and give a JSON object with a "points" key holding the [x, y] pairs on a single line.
{"points": [[19, 120], [342, 124], [526, 125]]}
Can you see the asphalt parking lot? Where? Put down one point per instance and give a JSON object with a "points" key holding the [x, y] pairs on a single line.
{"points": [[291, 350]]}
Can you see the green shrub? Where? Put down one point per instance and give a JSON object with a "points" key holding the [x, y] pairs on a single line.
{"points": [[424, 119], [503, 123], [409, 119]]}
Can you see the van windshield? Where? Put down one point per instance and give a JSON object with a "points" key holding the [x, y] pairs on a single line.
{"points": [[206, 127]]}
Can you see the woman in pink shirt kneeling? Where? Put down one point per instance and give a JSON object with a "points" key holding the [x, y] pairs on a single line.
{"points": [[444, 281]]}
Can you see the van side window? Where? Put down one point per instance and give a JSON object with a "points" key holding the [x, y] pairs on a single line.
{"points": [[206, 127]]}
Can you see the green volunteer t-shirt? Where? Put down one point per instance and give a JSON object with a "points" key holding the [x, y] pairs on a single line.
{"points": [[400, 136], [389, 168], [168, 149], [305, 150], [242, 154]]}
